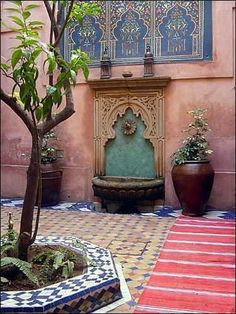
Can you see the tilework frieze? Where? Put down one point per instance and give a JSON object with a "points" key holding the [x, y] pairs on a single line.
{"points": [[175, 30]]}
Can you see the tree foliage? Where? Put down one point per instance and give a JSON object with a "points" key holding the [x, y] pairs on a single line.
{"points": [[41, 111]]}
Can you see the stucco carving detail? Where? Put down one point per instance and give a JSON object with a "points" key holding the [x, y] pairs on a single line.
{"points": [[149, 105]]}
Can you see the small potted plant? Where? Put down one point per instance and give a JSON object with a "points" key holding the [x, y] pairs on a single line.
{"points": [[49, 152], [51, 174], [192, 173]]}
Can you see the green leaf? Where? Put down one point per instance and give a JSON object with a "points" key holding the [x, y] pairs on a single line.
{"points": [[23, 266], [17, 54], [5, 66], [36, 75], [52, 66], [24, 92], [17, 20], [14, 29], [13, 10], [57, 97], [58, 259], [36, 23], [16, 74], [86, 72], [31, 6], [17, 2], [73, 76], [67, 270], [26, 14], [61, 78], [30, 41], [47, 105], [39, 113]]}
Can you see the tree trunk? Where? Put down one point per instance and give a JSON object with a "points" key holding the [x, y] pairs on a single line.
{"points": [[33, 176]]}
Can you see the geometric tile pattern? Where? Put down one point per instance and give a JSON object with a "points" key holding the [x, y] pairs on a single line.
{"points": [[95, 288], [90, 301], [100, 229], [81, 206], [159, 211], [127, 248], [175, 30]]}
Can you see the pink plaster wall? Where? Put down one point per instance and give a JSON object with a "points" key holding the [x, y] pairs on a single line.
{"points": [[209, 84]]}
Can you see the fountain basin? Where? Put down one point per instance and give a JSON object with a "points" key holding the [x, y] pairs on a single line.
{"points": [[128, 189]]}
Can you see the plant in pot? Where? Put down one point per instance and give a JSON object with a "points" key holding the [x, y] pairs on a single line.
{"points": [[192, 173], [51, 174]]}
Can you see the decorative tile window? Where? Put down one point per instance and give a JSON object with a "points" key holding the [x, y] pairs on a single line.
{"points": [[175, 31]]}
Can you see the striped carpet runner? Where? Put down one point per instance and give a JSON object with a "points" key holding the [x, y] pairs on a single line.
{"points": [[195, 272]]}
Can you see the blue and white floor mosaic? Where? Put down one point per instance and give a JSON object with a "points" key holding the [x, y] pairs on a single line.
{"points": [[62, 297], [163, 211]]}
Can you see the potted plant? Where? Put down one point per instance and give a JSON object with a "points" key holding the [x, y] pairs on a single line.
{"points": [[51, 174], [192, 173]]}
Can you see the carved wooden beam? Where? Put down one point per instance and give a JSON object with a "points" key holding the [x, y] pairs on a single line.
{"points": [[129, 82]]}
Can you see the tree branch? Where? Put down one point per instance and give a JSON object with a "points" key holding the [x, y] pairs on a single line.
{"points": [[11, 102], [9, 76], [61, 116], [52, 18], [39, 150], [59, 15], [57, 39]]}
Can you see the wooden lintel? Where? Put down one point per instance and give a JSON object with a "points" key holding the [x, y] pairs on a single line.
{"points": [[129, 82]]}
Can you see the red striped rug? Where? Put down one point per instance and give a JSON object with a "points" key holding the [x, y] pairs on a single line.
{"points": [[195, 272]]}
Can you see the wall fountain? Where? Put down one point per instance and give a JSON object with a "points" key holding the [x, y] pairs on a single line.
{"points": [[129, 142]]}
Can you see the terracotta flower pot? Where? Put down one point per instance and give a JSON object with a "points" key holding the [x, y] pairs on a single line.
{"points": [[51, 185], [193, 182]]}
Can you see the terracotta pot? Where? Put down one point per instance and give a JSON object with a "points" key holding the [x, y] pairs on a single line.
{"points": [[193, 182], [51, 186]]}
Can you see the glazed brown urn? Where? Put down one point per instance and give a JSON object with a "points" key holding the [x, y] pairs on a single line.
{"points": [[51, 185], [193, 182]]}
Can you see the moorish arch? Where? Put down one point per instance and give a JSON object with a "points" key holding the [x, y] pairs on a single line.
{"points": [[145, 97]]}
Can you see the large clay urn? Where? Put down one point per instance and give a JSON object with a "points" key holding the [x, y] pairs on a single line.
{"points": [[51, 185], [193, 182]]}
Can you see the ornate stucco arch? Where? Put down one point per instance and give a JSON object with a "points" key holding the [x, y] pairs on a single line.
{"points": [[112, 100]]}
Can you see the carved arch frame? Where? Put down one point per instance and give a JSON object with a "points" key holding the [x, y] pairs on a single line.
{"points": [[149, 105]]}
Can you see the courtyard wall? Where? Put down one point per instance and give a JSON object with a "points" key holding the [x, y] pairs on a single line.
{"points": [[208, 84]]}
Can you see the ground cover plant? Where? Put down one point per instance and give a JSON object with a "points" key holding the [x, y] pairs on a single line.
{"points": [[37, 110], [47, 264]]}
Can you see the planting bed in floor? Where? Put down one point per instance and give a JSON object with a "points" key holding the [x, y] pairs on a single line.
{"points": [[98, 287]]}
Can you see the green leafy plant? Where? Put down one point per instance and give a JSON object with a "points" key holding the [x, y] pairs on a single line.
{"points": [[195, 145], [23, 267], [49, 152], [8, 243], [8, 260], [78, 244], [41, 111], [57, 263]]}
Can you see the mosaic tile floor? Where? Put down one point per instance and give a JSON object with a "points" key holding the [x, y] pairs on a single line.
{"points": [[118, 234], [160, 211], [134, 240]]}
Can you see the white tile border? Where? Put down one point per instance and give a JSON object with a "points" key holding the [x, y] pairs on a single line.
{"points": [[126, 296]]}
